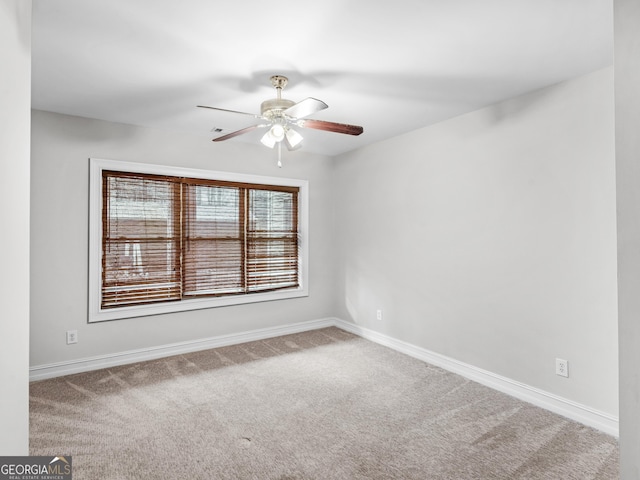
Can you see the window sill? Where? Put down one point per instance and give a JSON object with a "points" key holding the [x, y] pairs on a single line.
{"points": [[119, 313]]}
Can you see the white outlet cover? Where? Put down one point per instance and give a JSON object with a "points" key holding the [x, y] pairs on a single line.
{"points": [[72, 336], [562, 367]]}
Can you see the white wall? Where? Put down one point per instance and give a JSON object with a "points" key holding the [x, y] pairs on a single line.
{"points": [[491, 239], [15, 101], [627, 104], [61, 146]]}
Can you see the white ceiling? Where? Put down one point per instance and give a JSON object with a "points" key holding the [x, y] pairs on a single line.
{"points": [[391, 67]]}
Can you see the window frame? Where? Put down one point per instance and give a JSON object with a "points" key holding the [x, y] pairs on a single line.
{"points": [[98, 314]]}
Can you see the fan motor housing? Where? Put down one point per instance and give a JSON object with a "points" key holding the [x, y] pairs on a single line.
{"points": [[275, 106]]}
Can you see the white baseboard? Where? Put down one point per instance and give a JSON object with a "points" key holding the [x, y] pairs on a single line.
{"points": [[575, 411], [568, 408], [42, 372]]}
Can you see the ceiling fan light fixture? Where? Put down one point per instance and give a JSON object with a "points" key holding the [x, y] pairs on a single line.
{"points": [[293, 138], [277, 132], [268, 140]]}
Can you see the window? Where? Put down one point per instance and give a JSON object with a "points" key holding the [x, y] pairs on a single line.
{"points": [[166, 239]]}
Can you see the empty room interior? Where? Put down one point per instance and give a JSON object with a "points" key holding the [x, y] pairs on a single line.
{"points": [[418, 199]]}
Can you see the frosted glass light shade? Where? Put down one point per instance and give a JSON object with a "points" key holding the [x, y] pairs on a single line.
{"points": [[293, 138]]}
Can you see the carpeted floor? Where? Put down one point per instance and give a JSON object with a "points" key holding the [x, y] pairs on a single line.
{"points": [[323, 404]]}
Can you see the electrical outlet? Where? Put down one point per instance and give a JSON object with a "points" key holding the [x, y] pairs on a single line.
{"points": [[562, 367], [72, 336], [379, 314]]}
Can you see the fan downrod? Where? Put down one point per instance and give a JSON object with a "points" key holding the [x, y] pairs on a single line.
{"points": [[273, 108]]}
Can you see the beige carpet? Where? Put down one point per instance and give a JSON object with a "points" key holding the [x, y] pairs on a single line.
{"points": [[317, 405]]}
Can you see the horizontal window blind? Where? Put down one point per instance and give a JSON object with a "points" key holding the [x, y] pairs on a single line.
{"points": [[172, 238], [272, 240], [141, 240], [213, 240]]}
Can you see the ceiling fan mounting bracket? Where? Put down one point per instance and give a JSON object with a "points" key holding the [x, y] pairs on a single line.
{"points": [[279, 81]]}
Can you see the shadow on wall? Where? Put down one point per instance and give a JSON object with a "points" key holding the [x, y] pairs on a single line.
{"points": [[22, 13], [363, 300], [510, 110], [116, 132]]}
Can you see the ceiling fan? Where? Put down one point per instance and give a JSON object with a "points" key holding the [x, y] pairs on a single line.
{"points": [[282, 115]]}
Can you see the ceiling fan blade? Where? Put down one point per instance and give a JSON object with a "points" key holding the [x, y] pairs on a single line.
{"points": [[237, 132], [331, 126], [305, 107], [229, 111]]}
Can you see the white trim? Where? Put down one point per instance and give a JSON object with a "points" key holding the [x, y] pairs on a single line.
{"points": [[97, 314], [42, 372], [568, 408]]}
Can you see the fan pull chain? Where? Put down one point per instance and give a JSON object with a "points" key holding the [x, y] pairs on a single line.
{"points": [[279, 154]]}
